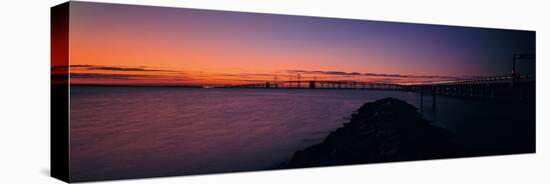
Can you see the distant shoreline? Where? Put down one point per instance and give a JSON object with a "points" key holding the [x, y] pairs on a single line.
{"points": [[209, 87]]}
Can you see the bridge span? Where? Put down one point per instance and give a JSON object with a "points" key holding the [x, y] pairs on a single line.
{"points": [[496, 87]]}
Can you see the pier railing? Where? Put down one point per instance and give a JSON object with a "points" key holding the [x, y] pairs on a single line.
{"points": [[516, 87]]}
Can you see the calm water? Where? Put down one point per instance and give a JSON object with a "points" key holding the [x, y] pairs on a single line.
{"points": [[124, 132]]}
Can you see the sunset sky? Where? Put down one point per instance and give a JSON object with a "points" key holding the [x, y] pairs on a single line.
{"points": [[121, 44]]}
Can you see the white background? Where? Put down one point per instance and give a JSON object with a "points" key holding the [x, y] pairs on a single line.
{"points": [[24, 98]]}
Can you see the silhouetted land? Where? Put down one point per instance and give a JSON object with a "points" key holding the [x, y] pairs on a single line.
{"points": [[382, 131]]}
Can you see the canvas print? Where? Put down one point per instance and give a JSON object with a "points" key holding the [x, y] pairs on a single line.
{"points": [[144, 91]]}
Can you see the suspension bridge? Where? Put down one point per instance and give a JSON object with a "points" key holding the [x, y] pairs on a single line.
{"points": [[511, 86]]}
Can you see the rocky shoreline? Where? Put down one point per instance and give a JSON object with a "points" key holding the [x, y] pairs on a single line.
{"points": [[386, 130]]}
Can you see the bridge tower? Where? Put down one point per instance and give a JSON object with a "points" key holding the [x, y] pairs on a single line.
{"points": [[311, 84]]}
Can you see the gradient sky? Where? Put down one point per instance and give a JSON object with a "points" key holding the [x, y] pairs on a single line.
{"points": [[122, 44]]}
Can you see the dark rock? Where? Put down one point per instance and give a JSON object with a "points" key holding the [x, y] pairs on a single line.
{"points": [[382, 131]]}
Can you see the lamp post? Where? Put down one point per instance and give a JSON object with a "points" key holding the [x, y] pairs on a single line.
{"points": [[517, 57]]}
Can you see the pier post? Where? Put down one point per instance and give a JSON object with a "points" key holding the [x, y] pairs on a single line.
{"points": [[421, 96], [312, 84], [434, 94]]}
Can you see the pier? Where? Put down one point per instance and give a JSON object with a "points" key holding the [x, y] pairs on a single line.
{"points": [[517, 87]]}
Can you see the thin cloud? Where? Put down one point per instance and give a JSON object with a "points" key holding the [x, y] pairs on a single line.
{"points": [[127, 69], [107, 76], [117, 68], [341, 73], [65, 67], [248, 75]]}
